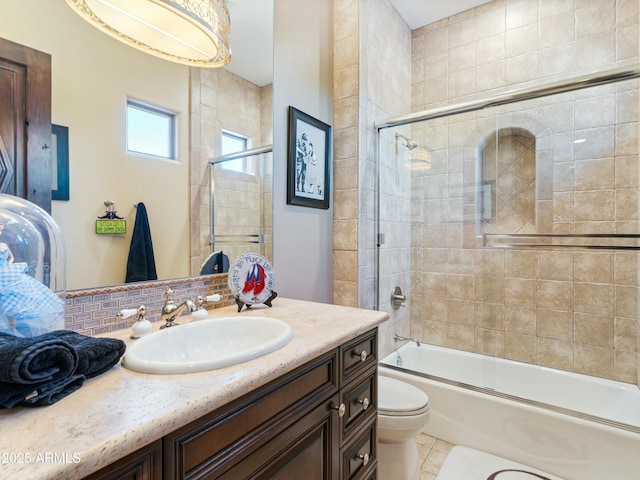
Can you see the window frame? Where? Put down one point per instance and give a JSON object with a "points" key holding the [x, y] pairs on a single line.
{"points": [[248, 164], [149, 108]]}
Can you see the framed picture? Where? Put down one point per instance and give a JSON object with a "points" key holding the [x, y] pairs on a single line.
{"points": [[60, 162], [308, 161]]}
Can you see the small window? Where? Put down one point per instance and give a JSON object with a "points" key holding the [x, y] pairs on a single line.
{"points": [[233, 143], [150, 130]]}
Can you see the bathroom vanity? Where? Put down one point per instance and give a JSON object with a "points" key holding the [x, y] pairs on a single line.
{"points": [[309, 407]]}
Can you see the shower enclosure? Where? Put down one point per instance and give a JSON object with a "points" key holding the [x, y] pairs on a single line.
{"points": [[240, 196], [511, 224]]}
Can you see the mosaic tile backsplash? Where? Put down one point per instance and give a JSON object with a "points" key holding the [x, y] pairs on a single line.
{"points": [[94, 311]]}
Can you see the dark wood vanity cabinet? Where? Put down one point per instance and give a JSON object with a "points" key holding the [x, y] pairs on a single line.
{"points": [[315, 423], [143, 464]]}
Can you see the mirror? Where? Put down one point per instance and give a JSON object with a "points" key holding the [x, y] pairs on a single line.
{"points": [[93, 76]]}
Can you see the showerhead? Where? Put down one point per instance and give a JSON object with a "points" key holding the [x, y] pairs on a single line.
{"points": [[410, 144]]}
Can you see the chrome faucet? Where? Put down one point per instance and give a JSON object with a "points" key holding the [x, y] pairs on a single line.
{"points": [[398, 338], [170, 311]]}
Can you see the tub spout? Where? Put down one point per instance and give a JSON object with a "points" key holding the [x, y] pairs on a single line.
{"points": [[398, 338]]}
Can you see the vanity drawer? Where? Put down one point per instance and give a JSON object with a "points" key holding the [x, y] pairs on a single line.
{"points": [[360, 401], [359, 457], [358, 355]]}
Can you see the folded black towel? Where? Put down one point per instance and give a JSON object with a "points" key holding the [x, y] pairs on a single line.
{"points": [[35, 360], [47, 393], [41, 370], [95, 355]]}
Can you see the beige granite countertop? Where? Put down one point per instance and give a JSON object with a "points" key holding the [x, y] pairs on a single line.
{"points": [[120, 411]]}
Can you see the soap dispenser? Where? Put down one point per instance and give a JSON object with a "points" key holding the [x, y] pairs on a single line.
{"points": [[141, 326]]}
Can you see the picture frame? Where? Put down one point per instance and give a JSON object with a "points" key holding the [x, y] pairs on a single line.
{"points": [[308, 161], [60, 162]]}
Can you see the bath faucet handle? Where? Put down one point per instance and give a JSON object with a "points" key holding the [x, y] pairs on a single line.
{"points": [[126, 313]]}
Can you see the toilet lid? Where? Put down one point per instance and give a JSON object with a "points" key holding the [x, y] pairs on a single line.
{"points": [[396, 397]]}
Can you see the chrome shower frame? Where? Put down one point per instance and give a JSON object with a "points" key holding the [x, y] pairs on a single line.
{"points": [[512, 96]]}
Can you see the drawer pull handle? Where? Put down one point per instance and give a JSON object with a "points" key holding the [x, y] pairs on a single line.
{"points": [[362, 355], [365, 459], [342, 409], [365, 403]]}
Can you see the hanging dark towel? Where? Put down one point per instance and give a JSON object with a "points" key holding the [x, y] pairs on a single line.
{"points": [[141, 265]]}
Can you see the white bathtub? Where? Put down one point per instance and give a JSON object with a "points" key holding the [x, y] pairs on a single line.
{"points": [[571, 425]]}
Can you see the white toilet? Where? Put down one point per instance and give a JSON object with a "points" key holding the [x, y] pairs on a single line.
{"points": [[403, 412]]}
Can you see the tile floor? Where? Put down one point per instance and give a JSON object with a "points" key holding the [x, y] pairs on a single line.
{"points": [[433, 453]]}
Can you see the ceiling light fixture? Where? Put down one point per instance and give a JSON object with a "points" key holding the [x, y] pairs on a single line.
{"points": [[191, 32]]}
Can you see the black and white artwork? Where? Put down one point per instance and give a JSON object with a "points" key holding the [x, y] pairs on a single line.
{"points": [[308, 161]]}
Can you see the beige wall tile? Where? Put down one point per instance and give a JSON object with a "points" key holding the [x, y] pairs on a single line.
{"points": [[593, 267], [556, 30], [626, 301], [594, 298], [520, 319], [460, 337], [624, 366], [594, 17], [554, 324], [555, 265], [555, 353], [490, 316], [594, 205], [460, 312], [521, 13], [489, 342], [522, 348], [593, 360], [520, 291], [593, 329], [626, 333]]}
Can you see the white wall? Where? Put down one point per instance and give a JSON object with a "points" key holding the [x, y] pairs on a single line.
{"points": [[303, 78], [92, 75]]}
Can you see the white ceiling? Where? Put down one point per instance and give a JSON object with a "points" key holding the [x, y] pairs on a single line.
{"points": [[418, 13], [251, 40], [252, 30]]}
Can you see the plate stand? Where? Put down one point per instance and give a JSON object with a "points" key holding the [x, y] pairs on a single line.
{"points": [[267, 302]]}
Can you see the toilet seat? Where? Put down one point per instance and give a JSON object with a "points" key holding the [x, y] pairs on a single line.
{"points": [[400, 399]]}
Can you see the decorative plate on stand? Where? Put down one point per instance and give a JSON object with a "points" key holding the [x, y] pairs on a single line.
{"points": [[251, 280]]}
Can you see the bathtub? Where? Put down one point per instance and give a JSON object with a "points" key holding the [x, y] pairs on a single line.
{"points": [[575, 426]]}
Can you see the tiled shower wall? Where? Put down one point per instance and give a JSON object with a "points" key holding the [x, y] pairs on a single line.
{"points": [[570, 309], [372, 65]]}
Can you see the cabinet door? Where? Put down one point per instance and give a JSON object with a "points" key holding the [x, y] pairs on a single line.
{"points": [[307, 449], [144, 464]]}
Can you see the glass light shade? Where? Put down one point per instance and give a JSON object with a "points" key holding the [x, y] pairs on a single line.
{"points": [[191, 32]]}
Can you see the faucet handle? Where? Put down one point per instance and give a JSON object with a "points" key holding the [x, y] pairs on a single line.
{"points": [[213, 298], [126, 313]]}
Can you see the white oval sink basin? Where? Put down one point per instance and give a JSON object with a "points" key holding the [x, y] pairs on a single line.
{"points": [[207, 345]]}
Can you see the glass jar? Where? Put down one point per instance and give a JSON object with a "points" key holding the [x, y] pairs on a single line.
{"points": [[32, 269]]}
